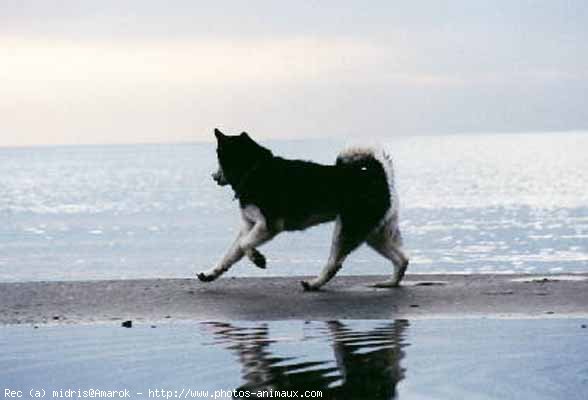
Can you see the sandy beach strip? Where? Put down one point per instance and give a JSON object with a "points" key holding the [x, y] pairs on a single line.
{"points": [[280, 298]]}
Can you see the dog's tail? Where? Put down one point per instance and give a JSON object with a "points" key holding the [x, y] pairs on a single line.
{"points": [[359, 155], [363, 157]]}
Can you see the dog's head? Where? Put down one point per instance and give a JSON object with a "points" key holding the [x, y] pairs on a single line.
{"points": [[236, 155]]}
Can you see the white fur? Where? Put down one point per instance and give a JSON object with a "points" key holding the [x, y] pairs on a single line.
{"points": [[254, 233], [388, 166]]}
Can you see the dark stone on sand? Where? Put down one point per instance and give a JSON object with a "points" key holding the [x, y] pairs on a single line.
{"points": [[127, 324]]}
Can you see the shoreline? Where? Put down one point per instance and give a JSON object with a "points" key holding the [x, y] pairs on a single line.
{"points": [[282, 298]]}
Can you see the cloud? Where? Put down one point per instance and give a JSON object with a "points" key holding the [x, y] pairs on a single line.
{"points": [[137, 71], [202, 62]]}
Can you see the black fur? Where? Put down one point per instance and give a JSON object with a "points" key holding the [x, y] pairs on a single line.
{"points": [[303, 193]]}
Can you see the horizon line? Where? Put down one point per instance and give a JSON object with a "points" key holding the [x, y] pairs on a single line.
{"points": [[287, 139]]}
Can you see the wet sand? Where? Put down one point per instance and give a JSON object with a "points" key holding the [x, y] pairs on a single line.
{"points": [[256, 299]]}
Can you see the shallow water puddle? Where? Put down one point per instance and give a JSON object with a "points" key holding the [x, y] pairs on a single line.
{"points": [[445, 359]]}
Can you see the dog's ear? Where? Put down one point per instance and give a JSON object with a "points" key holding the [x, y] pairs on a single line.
{"points": [[219, 135], [245, 135]]}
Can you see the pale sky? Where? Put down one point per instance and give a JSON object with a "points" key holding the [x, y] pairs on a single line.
{"points": [[114, 71]]}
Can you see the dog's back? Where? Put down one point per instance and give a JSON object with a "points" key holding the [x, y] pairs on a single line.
{"points": [[300, 194]]}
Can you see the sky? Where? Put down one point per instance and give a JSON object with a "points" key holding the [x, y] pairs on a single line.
{"points": [[135, 71]]}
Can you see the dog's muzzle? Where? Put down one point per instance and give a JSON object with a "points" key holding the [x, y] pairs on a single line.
{"points": [[219, 178]]}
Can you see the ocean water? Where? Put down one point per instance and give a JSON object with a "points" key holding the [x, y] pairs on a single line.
{"points": [[349, 359], [469, 204]]}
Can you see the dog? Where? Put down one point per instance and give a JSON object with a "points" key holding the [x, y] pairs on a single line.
{"points": [[277, 194]]}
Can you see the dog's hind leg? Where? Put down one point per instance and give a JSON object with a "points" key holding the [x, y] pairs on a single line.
{"points": [[343, 243], [387, 240]]}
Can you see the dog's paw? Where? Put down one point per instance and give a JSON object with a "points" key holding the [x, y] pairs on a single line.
{"points": [[205, 278], [257, 258], [308, 287]]}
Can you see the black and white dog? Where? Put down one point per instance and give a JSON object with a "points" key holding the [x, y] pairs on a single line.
{"points": [[276, 194]]}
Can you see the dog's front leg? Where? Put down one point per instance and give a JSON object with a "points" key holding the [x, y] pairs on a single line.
{"points": [[245, 243], [256, 258], [257, 236], [234, 254]]}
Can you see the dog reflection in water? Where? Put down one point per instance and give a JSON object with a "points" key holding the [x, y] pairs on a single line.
{"points": [[366, 364]]}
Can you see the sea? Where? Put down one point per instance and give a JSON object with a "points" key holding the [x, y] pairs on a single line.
{"points": [[477, 203]]}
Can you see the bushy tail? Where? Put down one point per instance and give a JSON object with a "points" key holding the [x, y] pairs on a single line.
{"points": [[362, 156], [359, 155]]}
